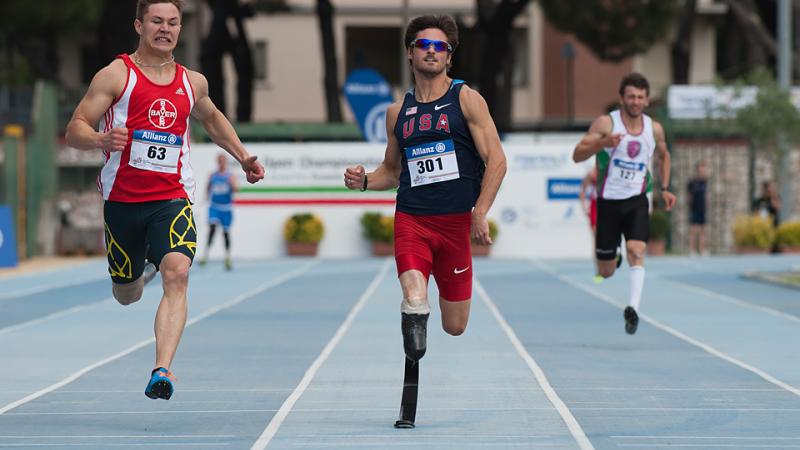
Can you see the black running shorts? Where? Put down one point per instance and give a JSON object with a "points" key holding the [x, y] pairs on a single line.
{"points": [[629, 217], [148, 230]]}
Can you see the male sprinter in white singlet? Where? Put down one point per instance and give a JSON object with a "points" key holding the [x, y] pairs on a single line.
{"points": [[142, 103], [624, 142]]}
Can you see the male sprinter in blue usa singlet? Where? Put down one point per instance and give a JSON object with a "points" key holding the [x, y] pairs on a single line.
{"points": [[445, 156]]}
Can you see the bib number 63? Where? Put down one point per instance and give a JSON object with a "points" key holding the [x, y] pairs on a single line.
{"points": [[154, 152]]}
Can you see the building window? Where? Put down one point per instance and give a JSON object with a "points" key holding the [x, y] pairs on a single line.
{"points": [[260, 61], [378, 48]]}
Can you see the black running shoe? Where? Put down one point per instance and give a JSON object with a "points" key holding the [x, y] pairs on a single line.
{"points": [[631, 320], [619, 257]]}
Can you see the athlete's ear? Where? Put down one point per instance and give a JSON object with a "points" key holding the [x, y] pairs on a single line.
{"points": [[137, 25]]}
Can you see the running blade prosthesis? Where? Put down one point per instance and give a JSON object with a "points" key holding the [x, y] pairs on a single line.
{"points": [[408, 403]]}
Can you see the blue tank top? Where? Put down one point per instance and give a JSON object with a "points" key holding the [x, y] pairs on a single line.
{"points": [[221, 191], [441, 168]]}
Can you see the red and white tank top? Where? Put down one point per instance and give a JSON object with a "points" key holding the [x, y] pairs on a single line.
{"points": [[155, 162]]}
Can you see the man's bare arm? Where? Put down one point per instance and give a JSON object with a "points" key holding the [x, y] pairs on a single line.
{"points": [[387, 174], [220, 130], [81, 131], [597, 138]]}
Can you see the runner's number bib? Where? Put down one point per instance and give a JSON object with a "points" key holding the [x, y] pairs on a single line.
{"points": [[156, 151], [624, 177], [432, 162]]}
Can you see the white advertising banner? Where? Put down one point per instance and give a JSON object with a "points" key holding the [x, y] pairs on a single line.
{"points": [[701, 102], [537, 210]]}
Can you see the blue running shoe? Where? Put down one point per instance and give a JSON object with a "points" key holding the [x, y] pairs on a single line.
{"points": [[160, 385]]}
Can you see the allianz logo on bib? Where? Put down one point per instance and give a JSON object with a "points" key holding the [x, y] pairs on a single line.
{"points": [[629, 165], [427, 149], [157, 137]]}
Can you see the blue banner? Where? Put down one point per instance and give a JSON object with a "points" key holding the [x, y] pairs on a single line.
{"points": [[563, 188], [8, 241], [369, 95]]}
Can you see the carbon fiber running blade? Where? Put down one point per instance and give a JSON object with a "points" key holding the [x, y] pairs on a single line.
{"points": [[408, 403]]}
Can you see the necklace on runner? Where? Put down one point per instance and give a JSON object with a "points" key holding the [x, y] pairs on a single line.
{"points": [[138, 60]]}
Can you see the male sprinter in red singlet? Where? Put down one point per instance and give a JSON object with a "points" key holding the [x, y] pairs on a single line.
{"points": [[625, 141], [143, 102], [445, 155]]}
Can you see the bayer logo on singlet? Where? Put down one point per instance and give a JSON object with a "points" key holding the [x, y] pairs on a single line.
{"points": [[440, 147], [375, 123]]}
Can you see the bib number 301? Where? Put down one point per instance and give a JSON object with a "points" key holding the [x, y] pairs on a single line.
{"points": [[155, 151], [432, 162]]}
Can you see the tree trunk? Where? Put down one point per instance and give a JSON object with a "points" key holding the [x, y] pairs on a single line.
{"points": [[325, 15], [681, 48], [494, 23], [214, 46], [245, 72]]}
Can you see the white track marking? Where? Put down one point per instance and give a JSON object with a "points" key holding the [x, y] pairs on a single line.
{"points": [[277, 420], [607, 299], [572, 424], [133, 348]]}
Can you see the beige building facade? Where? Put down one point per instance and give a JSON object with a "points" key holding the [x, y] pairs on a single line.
{"points": [[289, 64]]}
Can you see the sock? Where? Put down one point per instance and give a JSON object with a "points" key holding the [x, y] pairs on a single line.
{"points": [[637, 284]]}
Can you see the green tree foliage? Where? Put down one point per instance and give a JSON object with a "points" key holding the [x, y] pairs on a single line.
{"points": [[612, 29], [31, 29], [771, 114]]}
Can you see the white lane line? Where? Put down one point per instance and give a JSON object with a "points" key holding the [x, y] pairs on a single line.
{"points": [[274, 424], [697, 445], [235, 301], [732, 300], [55, 315], [106, 444], [732, 438], [48, 287], [572, 424], [605, 298], [367, 409], [120, 436]]}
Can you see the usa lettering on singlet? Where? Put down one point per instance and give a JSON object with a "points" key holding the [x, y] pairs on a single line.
{"points": [[221, 191], [154, 165], [625, 169], [441, 170]]}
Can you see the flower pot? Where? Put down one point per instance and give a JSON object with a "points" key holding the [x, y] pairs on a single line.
{"points": [[380, 248], [747, 250], [480, 250], [302, 248], [656, 247]]}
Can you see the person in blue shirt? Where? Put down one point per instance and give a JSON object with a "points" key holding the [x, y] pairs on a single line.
{"points": [[221, 186]]}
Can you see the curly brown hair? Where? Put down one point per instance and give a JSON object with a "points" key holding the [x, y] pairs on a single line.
{"points": [[443, 22]]}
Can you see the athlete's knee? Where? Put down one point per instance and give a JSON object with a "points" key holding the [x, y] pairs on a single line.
{"points": [[606, 270], [454, 329], [127, 294], [175, 273], [635, 255]]}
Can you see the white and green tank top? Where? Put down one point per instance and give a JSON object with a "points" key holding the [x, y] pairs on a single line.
{"points": [[624, 170]]}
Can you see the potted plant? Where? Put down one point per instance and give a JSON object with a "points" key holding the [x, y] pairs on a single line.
{"points": [[302, 233], [379, 230], [753, 234], [659, 230], [787, 237], [483, 250]]}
